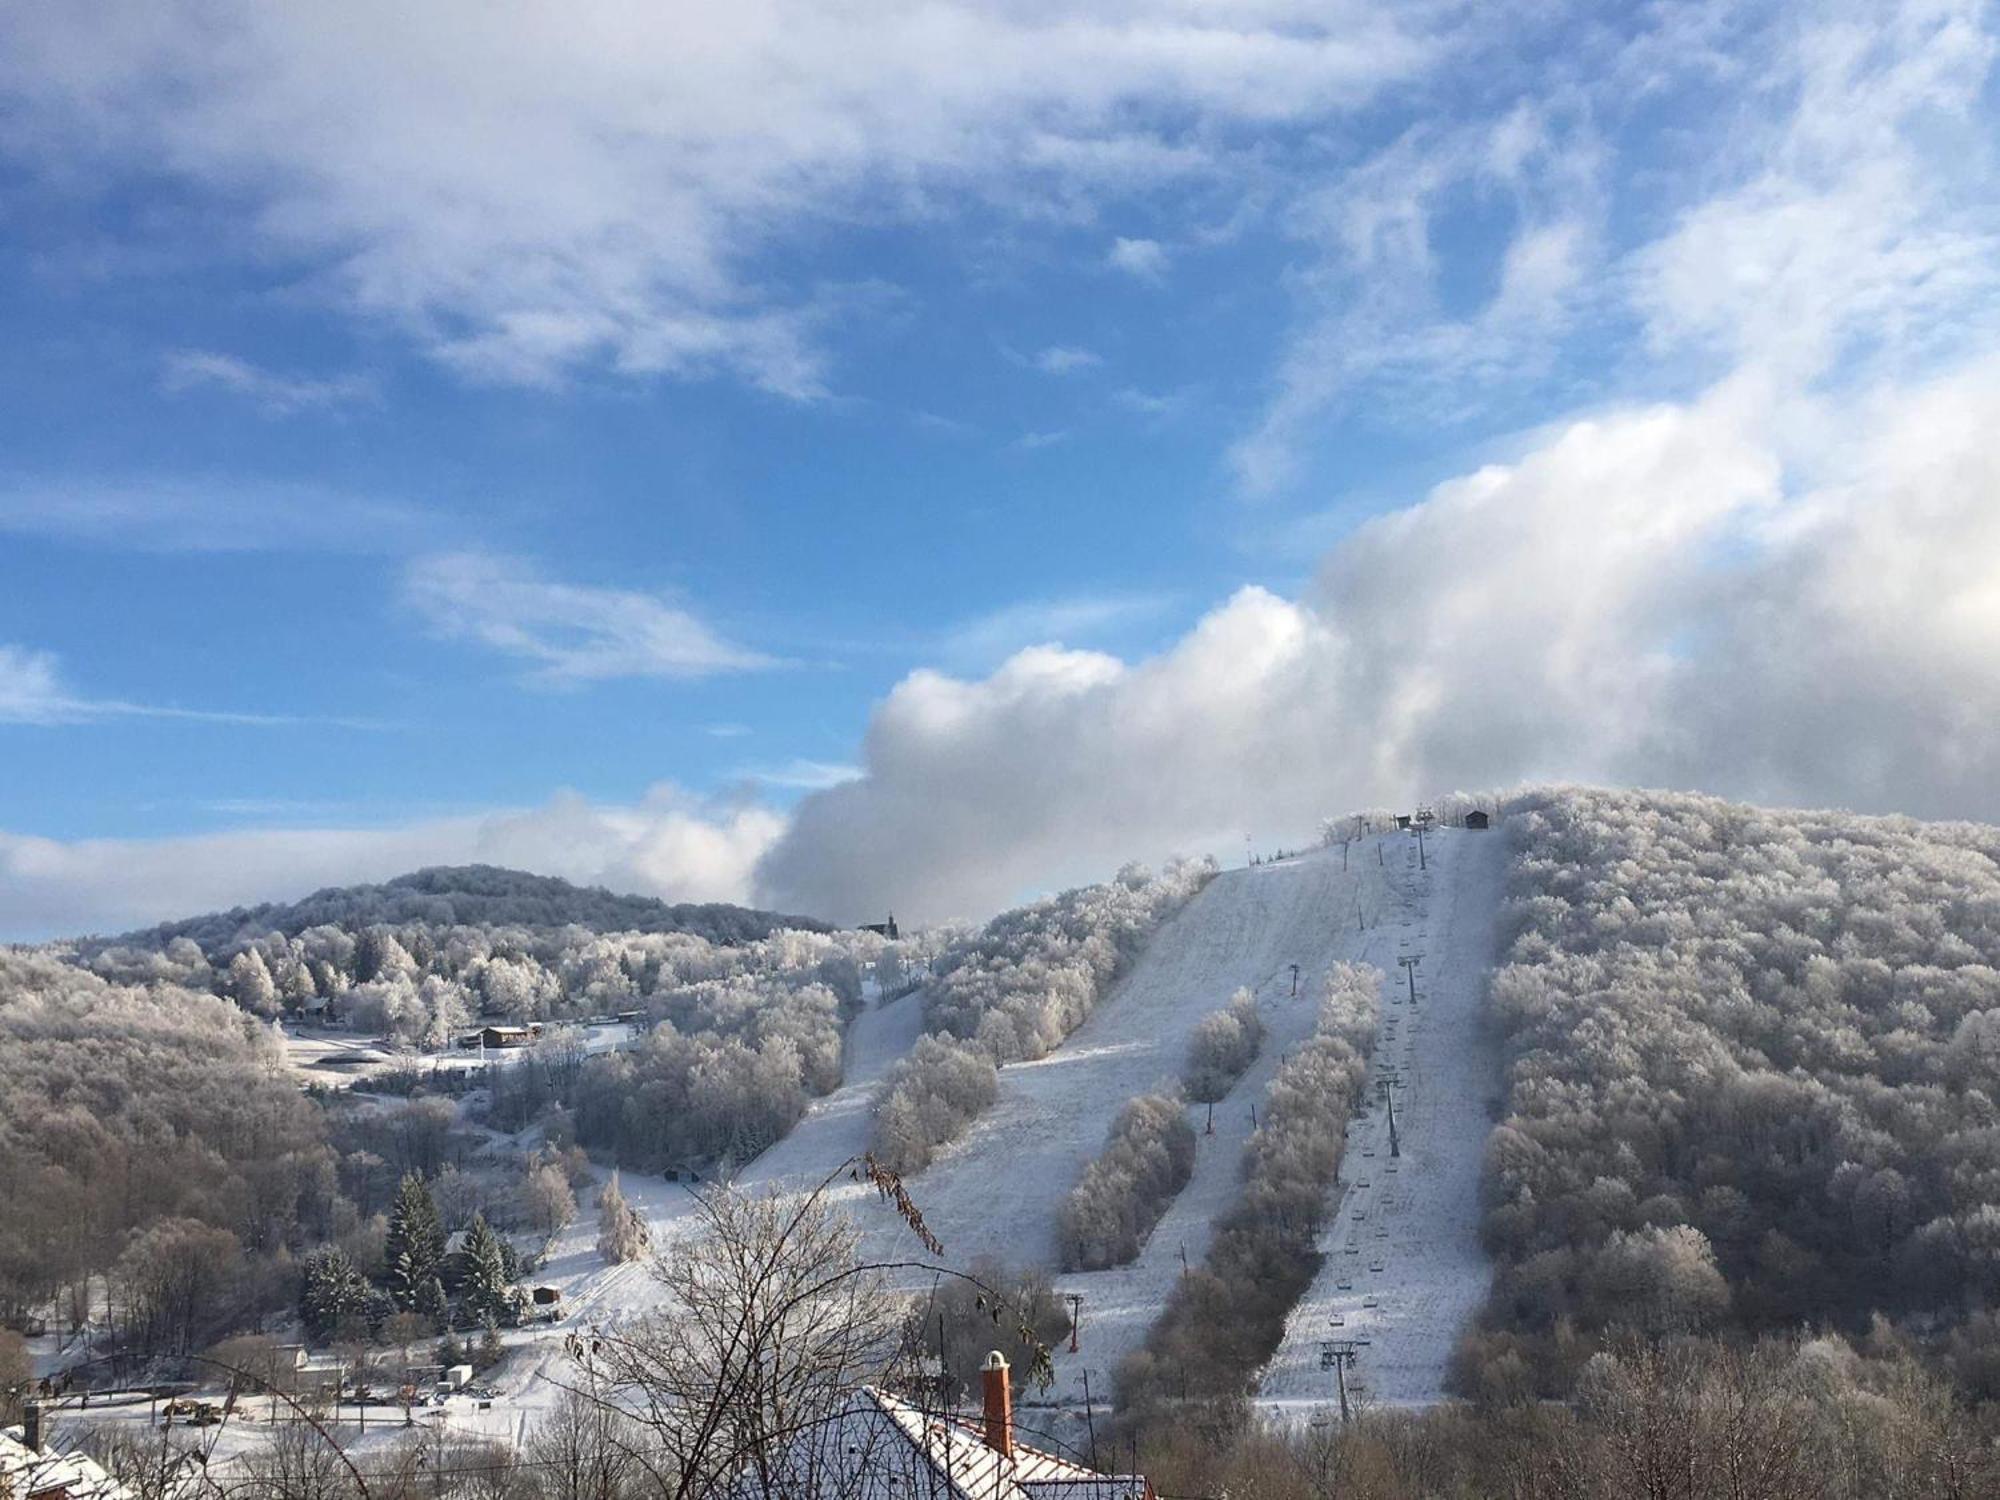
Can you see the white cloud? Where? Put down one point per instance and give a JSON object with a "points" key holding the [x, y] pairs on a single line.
{"points": [[1145, 259], [1040, 438], [1824, 208], [800, 774], [572, 633], [982, 642], [1643, 597], [276, 395], [1156, 407], [1061, 359], [207, 515], [529, 190], [32, 691], [667, 845]]}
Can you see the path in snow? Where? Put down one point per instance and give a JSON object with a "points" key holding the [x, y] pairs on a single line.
{"points": [[1404, 1270]]}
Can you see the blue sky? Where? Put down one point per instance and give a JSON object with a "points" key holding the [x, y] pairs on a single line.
{"points": [[575, 438]]}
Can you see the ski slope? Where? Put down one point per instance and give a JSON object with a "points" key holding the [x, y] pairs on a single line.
{"points": [[1404, 1270], [996, 1191]]}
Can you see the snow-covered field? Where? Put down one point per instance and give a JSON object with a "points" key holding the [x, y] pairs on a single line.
{"points": [[1404, 1269]]}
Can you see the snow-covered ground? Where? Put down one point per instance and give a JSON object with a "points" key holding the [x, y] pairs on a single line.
{"points": [[337, 1057], [1404, 1269]]}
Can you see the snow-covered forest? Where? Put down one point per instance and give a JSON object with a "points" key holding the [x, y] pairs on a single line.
{"points": [[1013, 991], [1754, 1063]]}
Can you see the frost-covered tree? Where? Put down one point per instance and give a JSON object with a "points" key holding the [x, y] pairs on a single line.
{"points": [[621, 1229], [1224, 1043], [251, 985]]}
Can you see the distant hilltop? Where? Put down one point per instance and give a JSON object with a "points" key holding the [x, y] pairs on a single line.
{"points": [[475, 896]]}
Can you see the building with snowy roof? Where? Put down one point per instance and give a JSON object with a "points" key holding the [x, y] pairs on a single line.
{"points": [[881, 1447], [28, 1471]]}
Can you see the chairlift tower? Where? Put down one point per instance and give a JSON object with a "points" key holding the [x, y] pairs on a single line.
{"points": [[1336, 1355], [1409, 961]]}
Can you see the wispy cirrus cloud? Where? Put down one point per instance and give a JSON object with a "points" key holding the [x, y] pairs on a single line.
{"points": [[33, 691], [197, 514], [981, 642], [1066, 359], [803, 774], [568, 633], [274, 394], [528, 194]]}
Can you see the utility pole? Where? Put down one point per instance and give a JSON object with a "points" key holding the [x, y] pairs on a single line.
{"points": [[1421, 865], [1075, 1301], [1409, 961], [1337, 1355]]}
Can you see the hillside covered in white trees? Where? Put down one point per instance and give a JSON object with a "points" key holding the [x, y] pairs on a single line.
{"points": [[1676, 1070]]}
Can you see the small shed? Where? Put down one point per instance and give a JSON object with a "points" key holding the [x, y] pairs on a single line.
{"points": [[1477, 819], [1402, 820], [506, 1036], [547, 1296]]}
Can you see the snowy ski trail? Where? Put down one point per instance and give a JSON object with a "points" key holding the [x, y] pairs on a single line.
{"points": [[1404, 1270]]}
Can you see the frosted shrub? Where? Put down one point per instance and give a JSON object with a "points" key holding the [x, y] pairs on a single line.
{"points": [[931, 1096], [1223, 1045], [1147, 1159]]}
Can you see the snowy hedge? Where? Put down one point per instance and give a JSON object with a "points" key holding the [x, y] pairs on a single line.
{"points": [[1225, 1042], [1223, 1321], [929, 1099], [1011, 992], [1147, 1159]]}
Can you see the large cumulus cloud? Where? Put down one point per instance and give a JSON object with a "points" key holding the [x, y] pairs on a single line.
{"points": [[1724, 593]]}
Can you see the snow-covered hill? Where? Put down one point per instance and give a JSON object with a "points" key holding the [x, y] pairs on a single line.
{"points": [[996, 1191]]}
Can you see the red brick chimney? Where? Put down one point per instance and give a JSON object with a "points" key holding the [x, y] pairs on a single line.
{"points": [[999, 1404]]}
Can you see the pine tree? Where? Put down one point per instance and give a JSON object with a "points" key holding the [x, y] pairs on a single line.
{"points": [[331, 1292], [415, 1248], [432, 1304], [485, 1291], [490, 1347]]}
